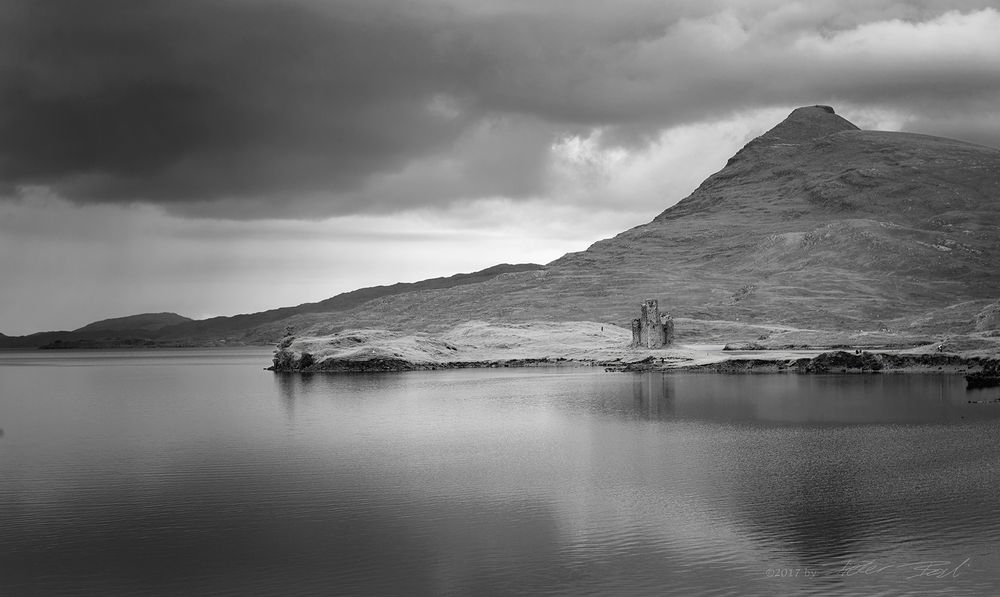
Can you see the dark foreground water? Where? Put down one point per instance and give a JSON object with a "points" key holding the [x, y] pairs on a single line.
{"points": [[197, 473]]}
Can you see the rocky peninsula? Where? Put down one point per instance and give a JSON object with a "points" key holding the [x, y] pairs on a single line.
{"points": [[779, 349]]}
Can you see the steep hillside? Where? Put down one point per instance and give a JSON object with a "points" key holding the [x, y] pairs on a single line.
{"points": [[807, 227]]}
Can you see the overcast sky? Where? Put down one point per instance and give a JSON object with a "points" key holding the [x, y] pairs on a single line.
{"points": [[212, 157]]}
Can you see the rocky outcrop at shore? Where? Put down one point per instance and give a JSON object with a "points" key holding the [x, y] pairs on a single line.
{"points": [[382, 365], [858, 362]]}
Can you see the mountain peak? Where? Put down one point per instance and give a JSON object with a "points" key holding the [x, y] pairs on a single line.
{"points": [[809, 122]]}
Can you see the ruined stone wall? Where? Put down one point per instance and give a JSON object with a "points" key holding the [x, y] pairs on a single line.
{"points": [[651, 324], [652, 330]]}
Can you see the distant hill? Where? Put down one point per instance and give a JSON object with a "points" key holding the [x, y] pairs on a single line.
{"points": [[142, 322], [134, 330]]}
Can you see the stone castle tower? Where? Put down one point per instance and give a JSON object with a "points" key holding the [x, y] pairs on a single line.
{"points": [[652, 330]]}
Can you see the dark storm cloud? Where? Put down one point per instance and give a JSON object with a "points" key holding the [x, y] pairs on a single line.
{"points": [[191, 100], [271, 107]]}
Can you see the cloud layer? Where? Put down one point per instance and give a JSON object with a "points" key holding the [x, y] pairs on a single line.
{"points": [[302, 108]]}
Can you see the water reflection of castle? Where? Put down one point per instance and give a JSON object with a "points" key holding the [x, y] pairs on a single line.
{"points": [[653, 396]]}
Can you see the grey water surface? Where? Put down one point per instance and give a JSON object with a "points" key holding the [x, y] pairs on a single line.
{"points": [[195, 472]]}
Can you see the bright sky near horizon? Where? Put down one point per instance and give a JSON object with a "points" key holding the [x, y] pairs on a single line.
{"points": [[212, 157]]}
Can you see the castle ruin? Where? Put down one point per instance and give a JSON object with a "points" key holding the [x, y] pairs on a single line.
{"points": [[652, 330]]}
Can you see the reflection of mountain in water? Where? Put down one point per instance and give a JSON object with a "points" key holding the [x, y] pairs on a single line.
{"points": [[562, 476], [805, 399], [817, 471], [783, 399]]}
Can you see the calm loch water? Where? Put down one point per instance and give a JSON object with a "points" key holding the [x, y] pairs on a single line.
{"points": [[198, 473]]}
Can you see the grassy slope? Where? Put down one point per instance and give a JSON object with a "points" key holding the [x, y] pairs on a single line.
{"points": [[241, 327], [856, 230], [472, 341]]}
